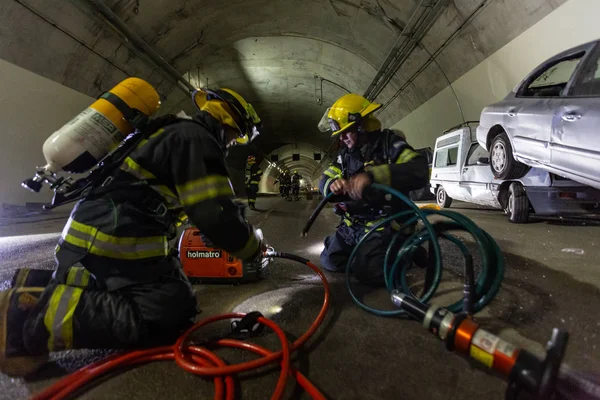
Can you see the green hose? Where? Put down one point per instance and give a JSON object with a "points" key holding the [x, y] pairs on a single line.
{"points": [[492, 260]]}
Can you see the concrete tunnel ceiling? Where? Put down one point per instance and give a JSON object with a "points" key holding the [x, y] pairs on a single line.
{"points": [[269, 50]]}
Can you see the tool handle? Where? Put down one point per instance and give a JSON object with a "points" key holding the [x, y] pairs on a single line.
{"points": [[327, 199]]}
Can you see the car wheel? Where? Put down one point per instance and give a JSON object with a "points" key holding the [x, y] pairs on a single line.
{"points": [[517, 204], [442, 198], [502, 162]]}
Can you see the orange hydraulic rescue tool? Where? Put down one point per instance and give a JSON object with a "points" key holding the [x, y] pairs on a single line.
{"points": [[462, 334]]}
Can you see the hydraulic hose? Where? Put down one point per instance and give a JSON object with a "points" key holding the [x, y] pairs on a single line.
{"points": [[492, 260], [398, 259], [200, 361]]}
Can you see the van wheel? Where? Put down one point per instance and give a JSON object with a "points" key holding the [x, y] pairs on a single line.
{"points": [[517, 204], [502, 162], [442, 198]]}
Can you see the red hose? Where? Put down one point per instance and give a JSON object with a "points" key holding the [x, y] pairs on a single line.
{"points": [[203, 362]]}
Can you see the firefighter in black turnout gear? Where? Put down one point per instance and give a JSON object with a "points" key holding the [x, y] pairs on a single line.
{"points": [[117, 283], [284, 184], [253, 176], [369, 155], [296, 177]]}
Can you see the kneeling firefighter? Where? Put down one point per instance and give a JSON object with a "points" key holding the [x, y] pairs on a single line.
{"points": [[117, 284], [368, 155], [253, 176]]}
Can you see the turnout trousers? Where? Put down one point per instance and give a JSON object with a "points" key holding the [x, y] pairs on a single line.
{"points": [[79, 311], [367, 266]]}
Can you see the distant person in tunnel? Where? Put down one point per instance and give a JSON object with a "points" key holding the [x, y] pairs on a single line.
{"points": [[368, 155], [284, 184], [296, 177], [118, 284], [253, 176]]}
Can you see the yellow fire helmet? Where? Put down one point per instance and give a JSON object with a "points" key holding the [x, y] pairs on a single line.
{"points": [[349, 110], [239, 114]]}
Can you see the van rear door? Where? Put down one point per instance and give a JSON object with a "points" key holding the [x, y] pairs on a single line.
{"points": [[446, 170], [476, 177]]}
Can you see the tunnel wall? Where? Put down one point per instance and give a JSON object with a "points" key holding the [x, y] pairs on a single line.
{"points": [[573, 23], [31, 109]]}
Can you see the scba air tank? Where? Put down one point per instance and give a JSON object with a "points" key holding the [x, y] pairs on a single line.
{"points": [[86, 139]]}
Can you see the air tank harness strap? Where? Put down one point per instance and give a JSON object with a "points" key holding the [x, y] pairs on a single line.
{"points": [[153, 203], [132, 115]]}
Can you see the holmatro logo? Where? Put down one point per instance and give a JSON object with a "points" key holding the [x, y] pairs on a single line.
{"points": [[203, 254]]}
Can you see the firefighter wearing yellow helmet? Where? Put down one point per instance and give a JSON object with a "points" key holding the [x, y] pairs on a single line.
{"points": [[368, 155], [117, 283], [253, 176]]}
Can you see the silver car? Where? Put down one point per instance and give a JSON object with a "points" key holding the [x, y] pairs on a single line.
{"points": [[551, 120]]}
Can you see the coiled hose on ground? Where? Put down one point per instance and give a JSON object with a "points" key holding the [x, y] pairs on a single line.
{"points": [[203, 362], [397, 259]]}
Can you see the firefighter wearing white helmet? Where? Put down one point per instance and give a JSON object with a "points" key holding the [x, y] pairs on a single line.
{"points": [[117, 283], [368, 155]]}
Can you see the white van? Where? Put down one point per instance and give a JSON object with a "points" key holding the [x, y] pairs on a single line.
{"points": [[461, 171]]}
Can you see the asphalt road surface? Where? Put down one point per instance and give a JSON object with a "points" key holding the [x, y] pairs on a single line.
{"points": [[552, 280]]}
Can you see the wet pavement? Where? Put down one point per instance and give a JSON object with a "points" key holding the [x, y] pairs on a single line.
{"points": [[552, 279]]}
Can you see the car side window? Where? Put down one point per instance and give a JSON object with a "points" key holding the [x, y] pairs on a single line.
{"points": [[552, 80], [475, 153], [588, 82], [446, 157]]}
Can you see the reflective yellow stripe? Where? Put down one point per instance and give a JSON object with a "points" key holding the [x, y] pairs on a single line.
{"points": [[85, 278], [59, 316], [22, 277], [254, 182], [78, 276], [133, 168], [381, 174], [50, 315], [102, 244], [155, 134], [406, 156], [249, 249], [335, 169], [326, 187], [71, 275], [347, 222], [333, 172], [67, 320], [129, 248], [210, 187], [372, 223]]}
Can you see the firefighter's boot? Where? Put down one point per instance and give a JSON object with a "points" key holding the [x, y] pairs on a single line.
{"points": [[15, 306]]}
